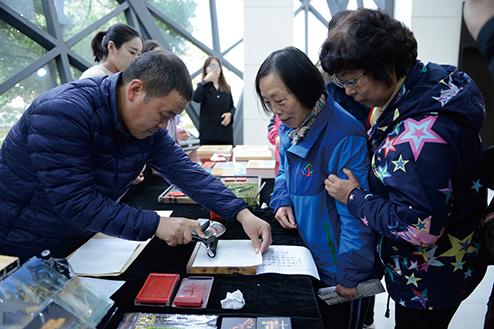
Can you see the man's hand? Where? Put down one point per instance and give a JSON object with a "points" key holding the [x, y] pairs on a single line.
{"points": [[345, 292], [255, 228], [340, 188], [176, 230], [284, 216], [227, 118]]}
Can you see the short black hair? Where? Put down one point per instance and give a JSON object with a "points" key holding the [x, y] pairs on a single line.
{"points": [[161, 72], [371, 40], [298, 73]]}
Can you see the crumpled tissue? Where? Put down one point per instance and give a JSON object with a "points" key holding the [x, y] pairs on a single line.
{"points": [[233, 301]]}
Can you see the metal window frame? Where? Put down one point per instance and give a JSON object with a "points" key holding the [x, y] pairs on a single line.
{"points": [[141, 15]]}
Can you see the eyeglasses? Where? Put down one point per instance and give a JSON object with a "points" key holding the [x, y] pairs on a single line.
{"points": [[351, 83]]}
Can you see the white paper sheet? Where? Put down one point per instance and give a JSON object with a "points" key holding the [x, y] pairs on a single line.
{"points": [[106, 287], [277, 259], [99, 256], [288, 260], [230, 253]]}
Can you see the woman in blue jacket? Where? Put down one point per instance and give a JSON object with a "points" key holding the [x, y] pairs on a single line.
{"points": [[317, 138], [427, 196]]}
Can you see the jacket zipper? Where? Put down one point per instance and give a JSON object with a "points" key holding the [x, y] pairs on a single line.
{"points": [[331, 245]]}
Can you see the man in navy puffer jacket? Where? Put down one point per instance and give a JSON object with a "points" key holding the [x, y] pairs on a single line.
{"points": [[77, 149]]}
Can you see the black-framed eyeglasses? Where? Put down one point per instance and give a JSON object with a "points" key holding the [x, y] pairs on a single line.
{"points": [[351, 83]]}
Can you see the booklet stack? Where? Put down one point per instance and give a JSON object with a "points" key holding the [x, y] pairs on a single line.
{"points": [[37, 296]]}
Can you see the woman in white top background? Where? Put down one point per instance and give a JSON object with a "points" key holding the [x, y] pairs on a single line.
{"points": [[114, 49]]}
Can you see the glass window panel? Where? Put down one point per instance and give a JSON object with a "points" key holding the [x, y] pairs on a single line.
{"points": [[18, 98], [299, 31], [22, 51], [187, 124], [192, 56], [76, 73], [83, 47], [75, 15], [370, 4], [175, 41], [352, 5], [31, 10], [236, 56], [296, 5], [317, 35], [201, 24], [322, 7], [230, 22], [236, 84], [183, 13]]}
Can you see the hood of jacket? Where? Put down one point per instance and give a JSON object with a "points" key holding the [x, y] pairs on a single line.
{"points": [[432, 89]]}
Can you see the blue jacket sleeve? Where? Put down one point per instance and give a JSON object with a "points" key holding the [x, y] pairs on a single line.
{"points": [[280, 195], [357, 240]]}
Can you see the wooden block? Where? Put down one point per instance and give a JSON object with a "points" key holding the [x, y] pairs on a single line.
{"points": [[263, 168], [215, 270], [206, 151], [7, 265], [252, 152]]}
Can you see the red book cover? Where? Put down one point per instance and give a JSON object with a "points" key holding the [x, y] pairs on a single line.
{"points": [[158, 289]]}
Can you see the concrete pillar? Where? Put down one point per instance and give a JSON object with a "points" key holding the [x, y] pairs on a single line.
{"points": [[268, 27], [436, 26]]}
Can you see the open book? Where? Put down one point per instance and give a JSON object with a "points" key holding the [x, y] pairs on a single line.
{"points": [[238, 256], [117, 256], [364, 289]]}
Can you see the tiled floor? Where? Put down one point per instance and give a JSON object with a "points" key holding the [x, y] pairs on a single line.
{"points": [[470, 314]]}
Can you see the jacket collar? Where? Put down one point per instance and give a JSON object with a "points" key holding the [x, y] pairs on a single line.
{"points": [[304, 146], [109, 88]]}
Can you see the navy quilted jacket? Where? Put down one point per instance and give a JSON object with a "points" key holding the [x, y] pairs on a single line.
{"points": [[67, 162]]}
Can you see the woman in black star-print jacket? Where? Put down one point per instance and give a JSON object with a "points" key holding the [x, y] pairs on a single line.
{"points": [[426, 197]]}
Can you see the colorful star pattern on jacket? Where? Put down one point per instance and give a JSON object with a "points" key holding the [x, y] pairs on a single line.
{"points": [[427, 254], [448, 94], [417, 133], [459, 248], [448, 191], [400, 164], [421, 296], [388, 146], [418, 234]]}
